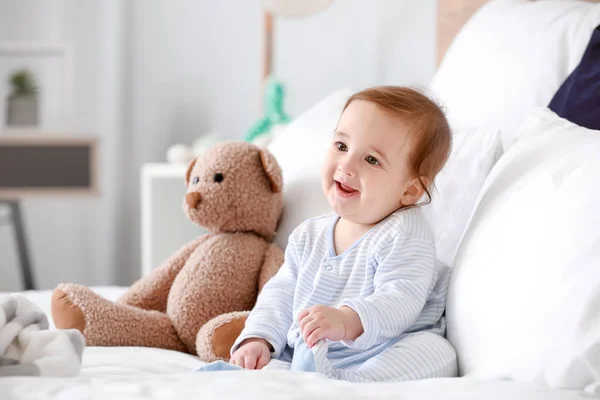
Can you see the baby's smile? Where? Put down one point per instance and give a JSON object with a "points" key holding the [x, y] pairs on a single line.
{"points": [[344, 190]]}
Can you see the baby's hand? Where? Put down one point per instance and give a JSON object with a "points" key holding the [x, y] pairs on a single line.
{"points": [[321, 322], [252, 354]]}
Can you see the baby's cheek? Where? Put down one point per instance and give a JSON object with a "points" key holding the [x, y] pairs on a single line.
{"points": [[384, 197]]}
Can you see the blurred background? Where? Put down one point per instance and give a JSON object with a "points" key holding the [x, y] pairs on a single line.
{"points": [[144, 75]]}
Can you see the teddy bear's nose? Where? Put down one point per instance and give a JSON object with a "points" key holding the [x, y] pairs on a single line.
{"points": [[192, 199]]}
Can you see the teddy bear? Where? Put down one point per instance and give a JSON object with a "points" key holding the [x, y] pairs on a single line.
{"points": [[197, 300]]}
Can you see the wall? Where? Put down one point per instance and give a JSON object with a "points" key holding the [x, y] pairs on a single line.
{"points": [[72, 239], [149, 73], [356, 43]]}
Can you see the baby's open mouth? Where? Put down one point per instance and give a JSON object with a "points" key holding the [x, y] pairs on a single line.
{"points": [[345, 189]]}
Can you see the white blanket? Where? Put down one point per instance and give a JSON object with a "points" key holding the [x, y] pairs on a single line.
{"points": [[27, 347]]}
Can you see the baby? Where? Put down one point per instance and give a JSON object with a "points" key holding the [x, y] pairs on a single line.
{"points": [[361, 296]]}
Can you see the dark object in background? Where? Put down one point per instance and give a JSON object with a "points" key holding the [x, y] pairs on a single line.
{"points": [[578, 98]]}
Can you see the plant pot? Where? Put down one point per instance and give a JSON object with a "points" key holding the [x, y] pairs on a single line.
{"points": [[22, 110]]}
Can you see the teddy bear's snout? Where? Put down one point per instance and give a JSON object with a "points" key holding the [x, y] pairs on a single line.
{"points": [[193, 199]]}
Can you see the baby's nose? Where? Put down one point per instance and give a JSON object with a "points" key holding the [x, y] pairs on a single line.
{"points": [[346, 169], [193, 199]]}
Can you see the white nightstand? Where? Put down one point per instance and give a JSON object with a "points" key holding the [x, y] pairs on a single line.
{"points": [[164, 226]]}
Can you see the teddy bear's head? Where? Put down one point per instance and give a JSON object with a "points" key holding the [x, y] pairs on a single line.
{"points": [[235, 187]]}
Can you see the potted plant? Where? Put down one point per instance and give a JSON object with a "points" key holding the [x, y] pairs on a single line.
{"points": [[22, 103]]}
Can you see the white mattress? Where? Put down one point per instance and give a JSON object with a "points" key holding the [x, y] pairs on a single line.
{"points": [[145, 373]]}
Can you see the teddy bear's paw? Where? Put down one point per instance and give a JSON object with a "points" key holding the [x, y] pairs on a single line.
{"points": [[65, 313], [76, 307], [217, 336]]}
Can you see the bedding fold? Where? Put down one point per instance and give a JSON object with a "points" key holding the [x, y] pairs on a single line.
{"points": [[28, 347]]}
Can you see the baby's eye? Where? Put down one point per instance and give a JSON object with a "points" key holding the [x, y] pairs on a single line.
{"points": [[372, 160], [341, 146]]}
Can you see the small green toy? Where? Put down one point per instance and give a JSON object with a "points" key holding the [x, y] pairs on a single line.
{"points": [[274, 111]]}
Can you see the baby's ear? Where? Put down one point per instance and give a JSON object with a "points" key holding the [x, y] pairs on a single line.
{"points": [[189, 171], [272, 170], [414, 191]]}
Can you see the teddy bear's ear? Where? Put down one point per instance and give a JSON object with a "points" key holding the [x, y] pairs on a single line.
{"points": [[272, 170], [189, 171]]}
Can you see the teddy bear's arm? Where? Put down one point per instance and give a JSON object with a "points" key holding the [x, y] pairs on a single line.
{"points": [[151, 292], [273, 261]]}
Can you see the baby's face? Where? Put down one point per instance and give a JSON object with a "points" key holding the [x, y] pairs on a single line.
{"points": [[366, 170]]}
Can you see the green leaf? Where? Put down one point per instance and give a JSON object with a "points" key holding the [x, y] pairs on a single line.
{"points": [[23, 83]]}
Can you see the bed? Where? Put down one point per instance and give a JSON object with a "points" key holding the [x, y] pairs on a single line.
{"points": [[147, 373], [522, 162]]}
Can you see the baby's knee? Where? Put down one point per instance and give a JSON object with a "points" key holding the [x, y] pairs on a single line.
{"points": [[436, 353]]}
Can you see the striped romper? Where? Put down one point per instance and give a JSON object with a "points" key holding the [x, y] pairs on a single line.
{"points": [[390, 277]]}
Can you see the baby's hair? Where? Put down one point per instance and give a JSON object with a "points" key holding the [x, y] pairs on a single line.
{"points": [[431, 147]]}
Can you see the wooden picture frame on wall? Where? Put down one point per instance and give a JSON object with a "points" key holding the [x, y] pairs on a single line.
{"points": [[48, 165]]}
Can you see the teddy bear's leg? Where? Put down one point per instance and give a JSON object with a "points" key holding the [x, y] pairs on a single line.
{"points": [[104, 323], [151, 292], [216, 337]]}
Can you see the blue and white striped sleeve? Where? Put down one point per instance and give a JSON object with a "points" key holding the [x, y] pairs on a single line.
{"points": [[402, 284], [271, 317]]}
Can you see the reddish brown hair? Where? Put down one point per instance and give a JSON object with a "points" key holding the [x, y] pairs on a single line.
{"points": [[425, 120]]}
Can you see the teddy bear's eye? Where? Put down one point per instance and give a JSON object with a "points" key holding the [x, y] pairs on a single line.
{"points": [[218, 177], [196, 180]]}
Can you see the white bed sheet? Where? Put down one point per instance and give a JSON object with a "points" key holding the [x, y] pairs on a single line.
{"points": [[147, 373]]}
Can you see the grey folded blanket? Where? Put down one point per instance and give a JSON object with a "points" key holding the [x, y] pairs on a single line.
{"points": [[27, 347]]}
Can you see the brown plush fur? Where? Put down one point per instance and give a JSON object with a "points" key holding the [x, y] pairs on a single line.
{"points": [[197, 301], [218, 335]]}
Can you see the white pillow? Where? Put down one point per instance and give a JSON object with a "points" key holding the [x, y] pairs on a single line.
{"points": [[300, 150], [524, 298], [474, 153], [510, 58]]}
